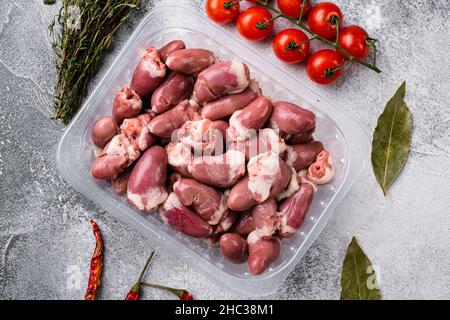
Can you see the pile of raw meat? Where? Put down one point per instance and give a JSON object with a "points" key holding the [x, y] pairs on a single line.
{"points": [[194, 139]]}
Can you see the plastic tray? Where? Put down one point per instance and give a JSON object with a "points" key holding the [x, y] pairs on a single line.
{"points": [[341, 134]]}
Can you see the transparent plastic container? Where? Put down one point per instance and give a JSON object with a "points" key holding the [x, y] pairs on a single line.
{"points": [[342, 135]]}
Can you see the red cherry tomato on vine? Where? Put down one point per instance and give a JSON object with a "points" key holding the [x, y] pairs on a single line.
{"points": [[292, 8], [322, 19], [354, 40], [255, 23], [291, 45], [222, 11], [325, 66]]}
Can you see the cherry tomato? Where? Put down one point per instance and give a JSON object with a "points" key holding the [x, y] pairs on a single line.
{"points": [[292, 8], [222, 11], [323, 17], [321, 66], [353, 39], [291, 45], [255, 23]]}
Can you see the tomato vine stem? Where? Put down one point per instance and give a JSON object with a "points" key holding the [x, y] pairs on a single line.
{"points": [[230, 4], [264, 25], [331, 71], [291, 46], [337, 22], [302, 9], [301, 24]]}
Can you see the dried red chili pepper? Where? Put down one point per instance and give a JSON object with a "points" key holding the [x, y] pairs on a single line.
{"points": [[135, 291], [96, 265], [186, 296], [180, 293]]}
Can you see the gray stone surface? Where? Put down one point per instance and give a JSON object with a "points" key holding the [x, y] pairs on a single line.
{"points": [[45, 237]]}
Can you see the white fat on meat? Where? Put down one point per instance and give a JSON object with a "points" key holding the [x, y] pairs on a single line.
{"points": [[253, 237], [191, 131], [274, 140], [292, 187], [226, 224], [150, 200], [219, 213], [179, 155], [262, 172], [304, 178], [153, 66], [284, 228], [238, 69], [291, 156], [194, 98], [238, 131], [121, 146], [269, 229], [169, 60], [171, 202], [236, 161], [142, 141]]}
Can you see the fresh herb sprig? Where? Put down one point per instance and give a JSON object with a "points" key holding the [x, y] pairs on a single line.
{"points": [[81, 32]]}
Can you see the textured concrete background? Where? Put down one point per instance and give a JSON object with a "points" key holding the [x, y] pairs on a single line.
{"points": [[45, 237]]}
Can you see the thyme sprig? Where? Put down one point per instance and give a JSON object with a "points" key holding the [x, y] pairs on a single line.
{"points": [[81, 32]]}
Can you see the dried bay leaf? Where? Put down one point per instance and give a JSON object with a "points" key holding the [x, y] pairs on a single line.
{"points": [[391, 140], [358, 280]]}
